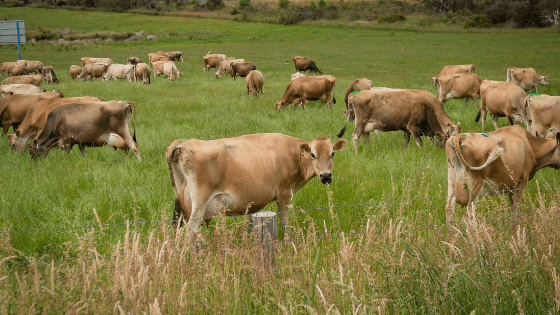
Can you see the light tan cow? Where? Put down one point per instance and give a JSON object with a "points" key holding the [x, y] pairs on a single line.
{"points": [[143, 72], [501, 99], [85, 61], [36, 118], [8, 67], [158, 67], [15, 89], [212, 61], [543, 115], [95, 70], [244, 174], [105, 61], [33, 66], [224, 67], [34, 79], [159, 56], [49, 75], [526, 78], [75, 71], [119, 71], [297, 75], [170, 71], [454, 69], [458, 86], [312, 88], [13, 108], [503, 160], [356, 85], [20, 69], [254, 82]]}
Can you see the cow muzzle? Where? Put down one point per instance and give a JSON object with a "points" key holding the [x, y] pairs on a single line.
{"points": [[325, 177]]}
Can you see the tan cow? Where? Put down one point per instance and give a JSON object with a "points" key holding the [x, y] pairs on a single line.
{"points": [[8, 67], [96, 70], [212, 61], [87, 124], [454, 69], [85, 61], [297, 75], [133, 61], [305, 63], [143, 72], [503, 160], [158, 67], [392, 110], [501, 99], [159, 56], [244, 174], [14, 89], [314, 88], [105, 61], [118, 71], [36, 119], [33, 66], [176, 55], [13, 108], [254, 82], [34, 79], [170, 71], [526, 78], [19, 69], [356, 85], [543, 115], [241, 69], [75, 71], [49, 75], [457, 86], [224, 67]]}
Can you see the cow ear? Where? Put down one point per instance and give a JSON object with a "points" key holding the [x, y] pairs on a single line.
{"points": [[340, 145], [305, 150]]}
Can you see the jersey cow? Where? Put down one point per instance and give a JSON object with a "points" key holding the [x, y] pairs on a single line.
{"points": [[8, 67], [313, 88], [175, 55], [526, 78], [33, 66], [159, 56], [95, 70], [75, 71], [457, 86], [91, 60], [143, 72], [505, 159], [34, 79], [87, 124], [212, 61], [49, 75], [170, 71], [305, 63], [501, 99], [543, 115], [244, 174], [119, 71], [133, 61], [241, 69], [357, 85], [453, 69], [13, 108], [14, 89], [254, 82]]}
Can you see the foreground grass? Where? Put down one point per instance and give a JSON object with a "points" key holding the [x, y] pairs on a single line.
{"points": [[411, 269]]}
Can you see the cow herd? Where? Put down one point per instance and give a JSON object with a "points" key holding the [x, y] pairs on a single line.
{"points": [[245, 173]]}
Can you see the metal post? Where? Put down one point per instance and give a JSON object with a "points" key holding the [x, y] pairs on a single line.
{"points": [[18, 48]]}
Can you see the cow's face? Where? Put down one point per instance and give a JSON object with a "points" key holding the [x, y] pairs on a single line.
{"points": [[37, 151], [543, 80], [321, 153], [279, 105]]}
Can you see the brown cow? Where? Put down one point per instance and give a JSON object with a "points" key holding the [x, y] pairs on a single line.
{"points": [[13, 108], [8, 67], [254, 82], [314, 88], [175, 55], [244, 174], [19, 70], [543, 115], [526, 78], [106, 61], [143, 71], [75, 71], [504, 160], [159, 67], [34, 79], [392, 110], [356, 85], [170, 71], [49, 75], [454, 69], [241, 69], [85, 61], [95, 70], [457, 86], [159, 56], [501, 99], [33, 66], [133, 61], [36, 119], [87, 124], [212, 61], [305, 63], [14, 89]]}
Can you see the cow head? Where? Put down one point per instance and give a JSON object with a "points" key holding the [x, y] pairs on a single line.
{"points": [[321, 153], [451, 129], [543, 80], [37, 151], [280, 105]]}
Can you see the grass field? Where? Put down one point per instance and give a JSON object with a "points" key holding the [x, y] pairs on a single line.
{"points": [[394, 267]]}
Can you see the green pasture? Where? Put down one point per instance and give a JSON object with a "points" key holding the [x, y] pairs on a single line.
{"points": [[61, 191]]}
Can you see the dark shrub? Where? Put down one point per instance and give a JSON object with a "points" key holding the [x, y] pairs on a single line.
{"points": [[283, 3], [391, 18], [215, 4], [480, 21], [244, 4]]}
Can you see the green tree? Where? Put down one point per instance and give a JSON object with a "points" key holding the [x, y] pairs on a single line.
{"points": [[322, 4], [244, 4], [283, 3]]}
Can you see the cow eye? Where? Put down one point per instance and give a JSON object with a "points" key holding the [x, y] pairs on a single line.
{"points": [[313, 156], [332, 155]]}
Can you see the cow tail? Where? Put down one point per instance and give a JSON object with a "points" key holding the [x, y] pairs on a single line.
{"points": [[132, 106], [172, 154], [477, 118], [494, 154], [509, 76], [333, 99], [350, 109]]}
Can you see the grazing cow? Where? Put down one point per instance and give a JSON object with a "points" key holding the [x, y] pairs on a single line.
{"points": [[75, 71], [244, 174], [526, 78], [543, 115], [501, 99], [503, 160], [87, 124], [33, 66], [13, 108], [170, 71], [159, 56], [314, 88], [305, 63], [175, 55], [8, 67], [454, 69], [159, 67], [254, 82], [297, 75], [85, 61], [212, 61], [105, 61], [356, 85], [118, 71], [457, 86], [143, 71], [224, 67], [34, 79], [19, 69], [95, 70], [14, 89], [133, 61], [392, 110], [241, 69], [36, 119], [49, 75]]}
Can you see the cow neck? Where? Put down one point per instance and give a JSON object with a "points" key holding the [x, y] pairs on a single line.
{"points": [[544, 149]]}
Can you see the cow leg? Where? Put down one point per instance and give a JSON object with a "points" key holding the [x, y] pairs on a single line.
{"points": [[536, 89], [451, 198], [82, 149], [283, 213], [304, 103], [356, 136], [365, 135], [495, 121], [415, 131], [6, 125], [483, 114], [467, 101], [406, 138]]}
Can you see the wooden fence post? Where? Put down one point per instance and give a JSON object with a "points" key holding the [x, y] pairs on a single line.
{"points": [[266, 234]]}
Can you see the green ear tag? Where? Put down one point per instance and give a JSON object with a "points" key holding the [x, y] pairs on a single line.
{"points": [[355, 92]]}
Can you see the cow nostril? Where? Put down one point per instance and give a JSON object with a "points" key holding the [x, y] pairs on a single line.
{"points": [[325, 177]]}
